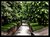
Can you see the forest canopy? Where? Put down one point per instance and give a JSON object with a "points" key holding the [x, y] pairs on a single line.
{"points": [[33, 11]]}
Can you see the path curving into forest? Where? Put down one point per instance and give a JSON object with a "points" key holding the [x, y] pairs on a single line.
{"points": [[23, 30]]}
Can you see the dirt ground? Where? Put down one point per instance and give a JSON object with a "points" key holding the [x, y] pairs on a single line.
{"points": [[43, 32]]}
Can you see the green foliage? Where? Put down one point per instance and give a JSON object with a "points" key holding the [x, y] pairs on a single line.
{"points": [[36, 26], [34, 11], [8, 26]]}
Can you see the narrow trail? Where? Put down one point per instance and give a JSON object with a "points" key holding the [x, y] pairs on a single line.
{"points": [[23, 30]]}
